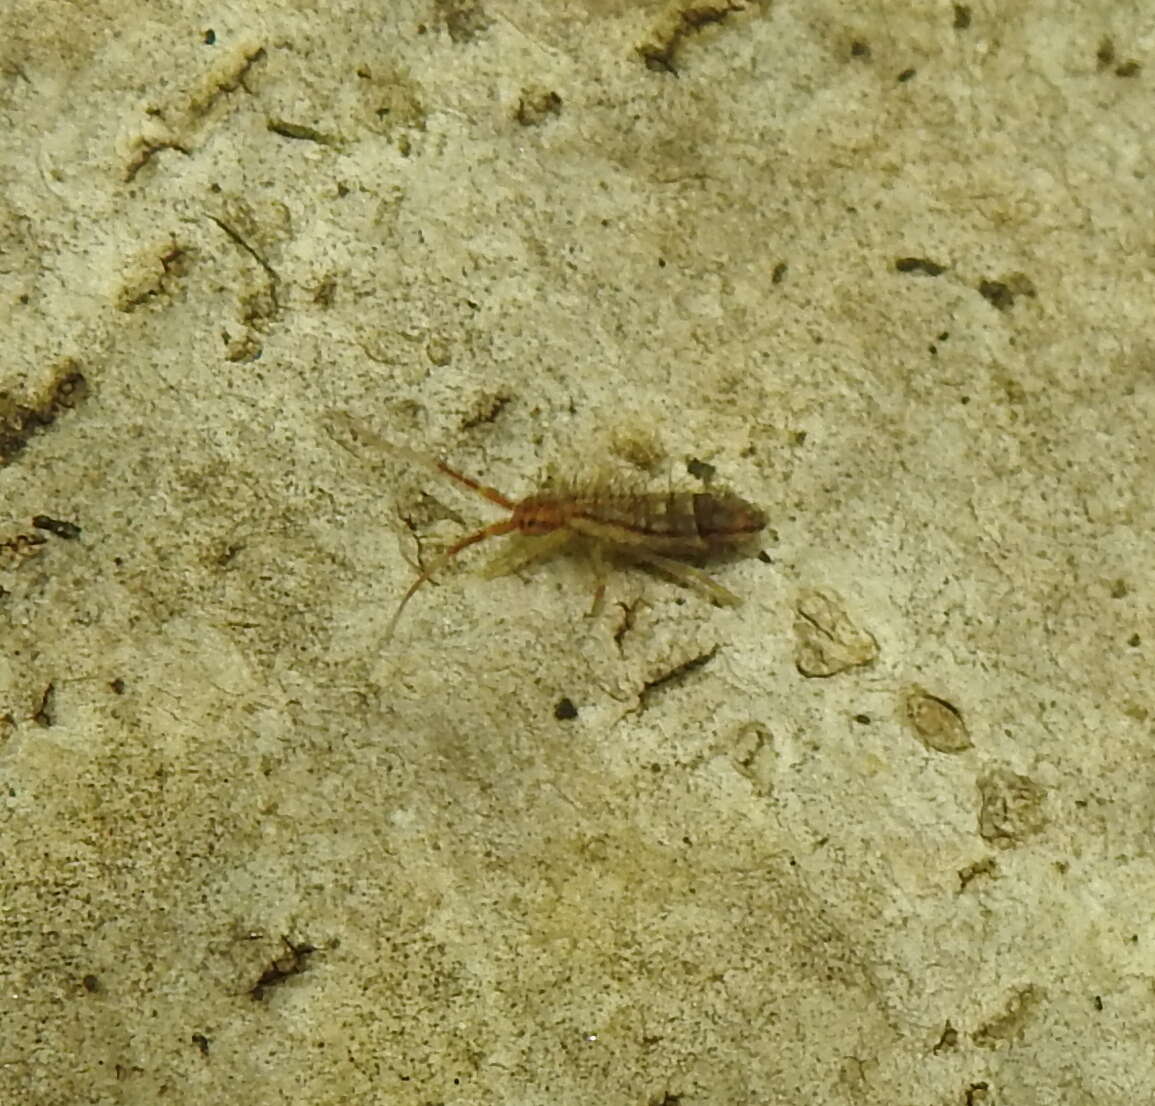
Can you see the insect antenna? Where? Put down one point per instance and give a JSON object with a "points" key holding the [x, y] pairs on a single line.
{"points": [[506, 526], [492, 494], [343, 427]]}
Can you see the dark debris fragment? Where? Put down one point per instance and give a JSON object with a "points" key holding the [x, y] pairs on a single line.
{"points": [[565, 710], [918, 265], [661, 55], [292, 962], [69, 531]]}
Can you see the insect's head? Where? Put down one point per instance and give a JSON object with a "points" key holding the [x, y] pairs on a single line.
{"points": [[536, 516]]}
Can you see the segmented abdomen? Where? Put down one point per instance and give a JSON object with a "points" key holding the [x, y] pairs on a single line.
{"points": [[692, 521]]}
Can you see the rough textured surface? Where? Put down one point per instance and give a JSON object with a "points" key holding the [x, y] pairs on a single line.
{"points": [[887, 276]]}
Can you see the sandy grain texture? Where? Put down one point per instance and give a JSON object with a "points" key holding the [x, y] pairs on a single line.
{"points": [[882, 834]]}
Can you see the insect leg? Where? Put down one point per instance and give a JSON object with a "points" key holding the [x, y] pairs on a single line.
{"points": [[685, 574], [524, 550], [601, 574]]}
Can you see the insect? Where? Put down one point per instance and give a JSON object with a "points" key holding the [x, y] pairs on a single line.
{"points": [[654, 529], [658, 529]]}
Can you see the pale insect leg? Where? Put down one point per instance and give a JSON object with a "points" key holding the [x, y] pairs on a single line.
{"points": [[522, 550], [685, 574], [601, 575]]}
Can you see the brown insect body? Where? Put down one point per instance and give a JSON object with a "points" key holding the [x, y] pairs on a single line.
{"points": [[674, 523], [647, 527]]}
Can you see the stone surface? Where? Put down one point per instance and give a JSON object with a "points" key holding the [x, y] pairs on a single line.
{"points": [[886, 275]]}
